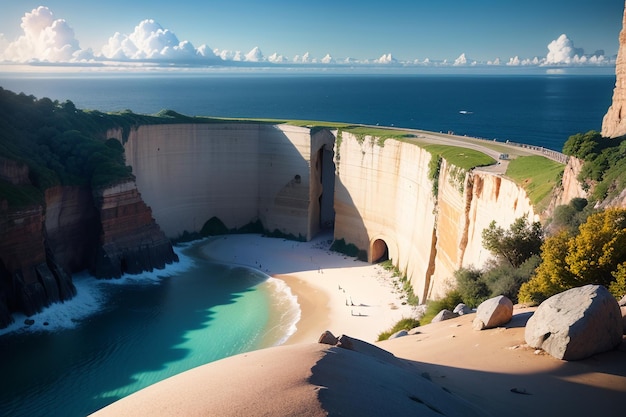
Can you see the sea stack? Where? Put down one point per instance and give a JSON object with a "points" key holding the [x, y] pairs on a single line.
{"points": [[614, 122]]}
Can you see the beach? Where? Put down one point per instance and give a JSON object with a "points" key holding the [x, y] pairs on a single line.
{"points": [[441, 368], [335, 292]]}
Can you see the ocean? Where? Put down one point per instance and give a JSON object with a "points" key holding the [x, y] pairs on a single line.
{"points": [[541, 110], [119, 336]]}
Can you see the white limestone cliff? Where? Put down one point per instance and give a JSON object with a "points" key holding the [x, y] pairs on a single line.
{"points": [[384, 193], [383, 197]]}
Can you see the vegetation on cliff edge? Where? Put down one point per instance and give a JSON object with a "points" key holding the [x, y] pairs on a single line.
{"points": [[603, 173]]}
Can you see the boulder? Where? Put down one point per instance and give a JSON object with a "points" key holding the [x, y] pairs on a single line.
{"points": [[328, 338], [622, 302], [493, 312], [576, 323], [399, 333], [461, 309], [444, 315]]}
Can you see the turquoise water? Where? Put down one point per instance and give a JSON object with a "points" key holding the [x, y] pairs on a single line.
{"points": [[117, 337]]}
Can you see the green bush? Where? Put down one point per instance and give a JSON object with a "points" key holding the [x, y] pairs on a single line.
{"points": [[406, 323], [471, 286], [433, 307]]}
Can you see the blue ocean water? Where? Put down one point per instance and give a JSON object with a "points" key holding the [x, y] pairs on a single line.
{"points": [[542, 110], [119, 336]]}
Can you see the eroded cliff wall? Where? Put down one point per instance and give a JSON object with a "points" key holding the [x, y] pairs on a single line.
{"points": [[238, 172], [614, 122], [383, 193]]}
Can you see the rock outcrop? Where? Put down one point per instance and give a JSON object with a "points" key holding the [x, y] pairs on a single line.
{"points": [[614, 122], [576, 323], [493, 312], [44, 242], [130, 241]]}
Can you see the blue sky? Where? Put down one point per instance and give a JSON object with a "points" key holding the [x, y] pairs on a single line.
{"points": [[483, 30]]}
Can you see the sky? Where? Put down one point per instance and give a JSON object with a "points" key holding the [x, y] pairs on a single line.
{"points": [[453, 32]]}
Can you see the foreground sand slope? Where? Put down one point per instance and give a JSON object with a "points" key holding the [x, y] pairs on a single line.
{"points": [[307, 379], [495, 370]]}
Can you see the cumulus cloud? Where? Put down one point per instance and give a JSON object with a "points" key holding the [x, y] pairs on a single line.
{"points": [[386, 59], [255, 55], [562, 51], [327, 59], [151, 42], [44, 38], [276, 58]]}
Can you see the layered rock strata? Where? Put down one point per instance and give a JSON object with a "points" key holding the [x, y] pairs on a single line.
{"points": [[130, 240], [109, 231], [614, 122]]}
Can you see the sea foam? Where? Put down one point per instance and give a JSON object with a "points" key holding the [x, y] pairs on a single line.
{"points": [[91, 297]]}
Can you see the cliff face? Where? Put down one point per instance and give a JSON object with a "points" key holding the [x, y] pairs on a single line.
{"points": [[384, 200], [30, 277], [283, 175], [614, 122], [130, 240], [239, 173], [71, 231]]}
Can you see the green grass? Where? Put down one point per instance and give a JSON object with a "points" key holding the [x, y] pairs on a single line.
{"points": [[406, 323], [537, 175], [461, 157]]}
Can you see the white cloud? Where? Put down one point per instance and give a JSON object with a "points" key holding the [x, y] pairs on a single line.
{"points": [[562, 51], [255, 55], [276, 58], [386, 59], [151, 42], [44, 39], [461, 60], [327, 59]]}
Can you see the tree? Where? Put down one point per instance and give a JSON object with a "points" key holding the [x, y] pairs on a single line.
{"points": [[595, 255], [515, 245]]}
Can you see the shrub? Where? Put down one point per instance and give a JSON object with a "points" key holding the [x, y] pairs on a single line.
{"points": [[448, 302], [471, 287], [406, 323]]}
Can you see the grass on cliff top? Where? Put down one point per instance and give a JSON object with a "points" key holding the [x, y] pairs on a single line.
{"points": [[537, 175], [460, 157]]}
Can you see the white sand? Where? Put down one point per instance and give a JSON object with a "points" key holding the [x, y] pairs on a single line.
{"points": [[335, 292]]}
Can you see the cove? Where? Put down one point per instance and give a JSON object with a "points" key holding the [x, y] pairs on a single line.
{"points": [[142, 330]]}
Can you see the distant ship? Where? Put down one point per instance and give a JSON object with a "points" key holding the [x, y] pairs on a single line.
{"points": [[466, 112]]}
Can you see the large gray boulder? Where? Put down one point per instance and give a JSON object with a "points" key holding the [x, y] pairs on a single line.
{"points": [[576, 323], [444, 315], [493, 312]]}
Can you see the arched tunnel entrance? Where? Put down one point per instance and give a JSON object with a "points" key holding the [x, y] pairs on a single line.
{"points": [[380, 251], [327, 198]]}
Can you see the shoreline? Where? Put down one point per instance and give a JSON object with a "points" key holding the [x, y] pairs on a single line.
{"points": [[334, 292]]}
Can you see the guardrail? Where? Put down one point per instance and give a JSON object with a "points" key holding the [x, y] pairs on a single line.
{"points": [[548, 153]]}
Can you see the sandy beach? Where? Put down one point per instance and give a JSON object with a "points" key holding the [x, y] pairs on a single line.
{"points": [[335, 292], [445, 368]]}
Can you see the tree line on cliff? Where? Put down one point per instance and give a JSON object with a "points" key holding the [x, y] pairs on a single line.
{"points": [[63, 145]]}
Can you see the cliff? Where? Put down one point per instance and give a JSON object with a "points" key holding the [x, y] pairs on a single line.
{"points": [[384, 204], [614, 122], [238, 172], [297, 181], [43, 243], [130, 240]]}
